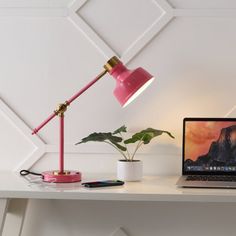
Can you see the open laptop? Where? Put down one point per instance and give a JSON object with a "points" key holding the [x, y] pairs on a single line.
{"points": [[209, 153]]}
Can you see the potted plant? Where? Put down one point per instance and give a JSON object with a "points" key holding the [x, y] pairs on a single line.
{"points": [[128, 168]]}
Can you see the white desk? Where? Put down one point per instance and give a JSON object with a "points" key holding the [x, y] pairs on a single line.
{"points": [[153, 188]]}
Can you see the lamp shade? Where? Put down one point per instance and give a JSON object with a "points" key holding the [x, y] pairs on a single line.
{"points": [[129, 83]]}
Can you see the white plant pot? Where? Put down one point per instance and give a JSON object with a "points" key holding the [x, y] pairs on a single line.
{"points": [[130, 170]]}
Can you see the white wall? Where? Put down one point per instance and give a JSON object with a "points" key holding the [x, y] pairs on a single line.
{"points": [[51, 48]]}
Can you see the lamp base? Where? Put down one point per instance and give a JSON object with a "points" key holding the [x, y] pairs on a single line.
{"points": [[65, 177]]}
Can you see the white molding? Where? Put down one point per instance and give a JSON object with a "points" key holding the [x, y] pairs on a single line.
{"points": [[34, 3], [138, 44], [230, 111], [104, 48], [204, 12], [91, 35], [31, 159], [25, 131], [34, 8], [67, 8], [70, 8], [19, 124], [75, 5], [41, 148], [33, 12], [150, 32]]}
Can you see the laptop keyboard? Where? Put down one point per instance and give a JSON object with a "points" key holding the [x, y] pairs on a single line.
{"points": [[211, 178]]}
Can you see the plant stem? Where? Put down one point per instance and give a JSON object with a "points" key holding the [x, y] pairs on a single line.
{"points": [[127, 151], [116, 149], [136, 149]]}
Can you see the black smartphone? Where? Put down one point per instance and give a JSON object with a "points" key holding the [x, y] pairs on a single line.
{"points": [[104, 183]]}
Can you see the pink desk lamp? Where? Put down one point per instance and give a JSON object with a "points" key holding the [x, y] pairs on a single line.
{"points": [[129, 84]]}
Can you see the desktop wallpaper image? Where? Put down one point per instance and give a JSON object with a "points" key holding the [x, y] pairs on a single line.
{"points": [[211, 143]]}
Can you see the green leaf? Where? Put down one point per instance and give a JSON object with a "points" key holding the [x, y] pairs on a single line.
{"points": [[120, 130], [104, 137], [122, 148], [146, 135]]}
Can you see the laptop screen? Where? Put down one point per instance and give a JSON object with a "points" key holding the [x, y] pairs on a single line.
{"points": [[209, 146]]}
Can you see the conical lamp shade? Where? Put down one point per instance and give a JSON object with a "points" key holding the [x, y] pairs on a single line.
{"points": [[129, 83]]}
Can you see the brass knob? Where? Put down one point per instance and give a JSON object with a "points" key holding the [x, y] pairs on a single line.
{"points": [[61, 108], [111, 63]]}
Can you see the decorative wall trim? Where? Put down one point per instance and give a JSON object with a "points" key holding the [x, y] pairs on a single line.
{"points": [[231, 111], [150, 32], [70, 9], [34, 8], [87, 31], [106, 50], [21, 127], [204, 12], [33, 12], [41, 148], [168, 14], [34, 3]]}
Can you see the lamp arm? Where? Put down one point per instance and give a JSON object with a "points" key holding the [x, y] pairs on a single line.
{"points": [[69, 101], [62, 107]]}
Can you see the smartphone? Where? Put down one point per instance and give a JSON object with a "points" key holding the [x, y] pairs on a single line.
{"points": [[104, 183]]}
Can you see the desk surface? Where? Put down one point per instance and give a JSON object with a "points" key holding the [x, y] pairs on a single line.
{"points": [[152, 188]]}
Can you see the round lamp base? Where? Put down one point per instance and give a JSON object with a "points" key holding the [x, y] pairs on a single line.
{"points": [[65, 177]]}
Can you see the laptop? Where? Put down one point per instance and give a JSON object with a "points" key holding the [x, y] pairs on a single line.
{"points": [[209, 153]]}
